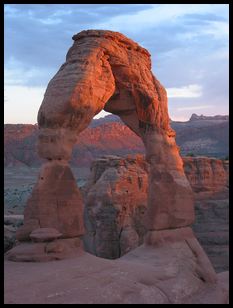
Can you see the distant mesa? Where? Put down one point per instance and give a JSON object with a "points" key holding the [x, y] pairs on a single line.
{"points": [[109, 135], [195, 117]]}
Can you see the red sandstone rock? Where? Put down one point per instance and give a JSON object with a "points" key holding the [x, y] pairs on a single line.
{"points": [[46, 251], [55, 203], [207, 176], [168, 274], [30, 224], [106, 70], [170, 197], [115, 198], [109, 136], [44, 234]]}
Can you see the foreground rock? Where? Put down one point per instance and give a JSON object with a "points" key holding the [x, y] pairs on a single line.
{"points": [[11, 224], [44, 235], [45, 251], [174, 270]]}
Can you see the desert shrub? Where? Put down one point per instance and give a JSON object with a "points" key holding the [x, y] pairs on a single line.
{"points": [[190, 154]]}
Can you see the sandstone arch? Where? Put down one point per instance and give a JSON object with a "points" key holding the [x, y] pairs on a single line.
{"points": [[105, 70]]}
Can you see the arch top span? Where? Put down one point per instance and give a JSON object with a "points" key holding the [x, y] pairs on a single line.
{"points": [[113, 36], [104, 70]]}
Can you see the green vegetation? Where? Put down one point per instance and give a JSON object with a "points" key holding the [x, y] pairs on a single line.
{"points": [[190, 154]]}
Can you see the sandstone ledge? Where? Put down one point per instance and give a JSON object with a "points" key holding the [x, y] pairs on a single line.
{"points": [[165, 275]]}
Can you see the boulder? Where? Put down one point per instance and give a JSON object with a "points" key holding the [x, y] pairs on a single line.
{"points": [[45, 251], [44, 235]]}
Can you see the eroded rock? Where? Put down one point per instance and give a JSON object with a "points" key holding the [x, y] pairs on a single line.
{"points": [[115, 198], [207, 176], [55, 203], [165, 274]]}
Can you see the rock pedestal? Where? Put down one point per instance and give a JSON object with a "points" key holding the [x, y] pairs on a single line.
{"points": [[54, 210], [55, 203]]}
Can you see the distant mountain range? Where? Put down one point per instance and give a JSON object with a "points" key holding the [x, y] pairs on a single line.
{"points": [[201, 135]]}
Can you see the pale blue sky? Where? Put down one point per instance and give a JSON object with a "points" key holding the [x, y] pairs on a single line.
{"points": [[189, 46]]}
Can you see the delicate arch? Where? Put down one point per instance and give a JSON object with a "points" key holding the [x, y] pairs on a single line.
{"points": [[105, 70]]}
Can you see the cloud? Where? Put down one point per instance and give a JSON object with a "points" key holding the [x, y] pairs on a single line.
{"points": [[22, 103], [194, 107], [50, 21], [160, 14], [16, 73], [192, 90]]}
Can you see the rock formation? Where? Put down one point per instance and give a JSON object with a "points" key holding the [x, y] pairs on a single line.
{"points": [[55, 203], [106, 70], [114, 217], [175, 271], [207, 176], [110, 136], [115, 205]]}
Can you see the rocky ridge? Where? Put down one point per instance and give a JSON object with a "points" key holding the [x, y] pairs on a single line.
{"points": [[109, 136]]}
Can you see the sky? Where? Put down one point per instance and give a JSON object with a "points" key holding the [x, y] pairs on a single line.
{"points": [[188, 43]]}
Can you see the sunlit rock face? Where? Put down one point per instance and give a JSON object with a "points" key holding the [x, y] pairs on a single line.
{"points": [[106, 70]]}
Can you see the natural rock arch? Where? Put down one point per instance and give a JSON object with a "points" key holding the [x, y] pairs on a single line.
{"points": [[105, 70]]}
